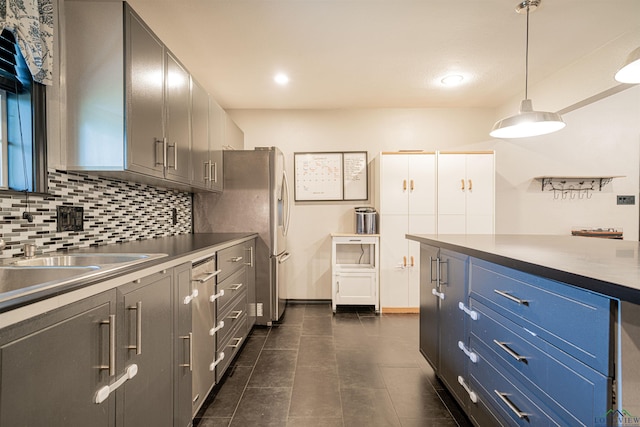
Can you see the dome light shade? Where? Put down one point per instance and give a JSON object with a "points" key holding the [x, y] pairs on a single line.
{"points": [[527, 123], [630, 71]]}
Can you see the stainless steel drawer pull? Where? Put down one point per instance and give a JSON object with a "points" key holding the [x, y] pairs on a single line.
{"points": [[208, 277], [472, 394], [511, 297], [473, 314], [235, 315], [190, 338], [470, 354], [235, 286], [215, 329], [190, 297], [505, 399], [217, 361], [138, 346], [214, 297], [237, 344], [438, 294], [112, 345], [250, 249], [236, 259], [510, 352]]}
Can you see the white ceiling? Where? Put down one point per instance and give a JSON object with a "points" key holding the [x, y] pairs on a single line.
{"points": [[379, 53]]}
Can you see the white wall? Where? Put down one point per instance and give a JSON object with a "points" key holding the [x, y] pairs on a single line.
{"points": [[601, 138]]}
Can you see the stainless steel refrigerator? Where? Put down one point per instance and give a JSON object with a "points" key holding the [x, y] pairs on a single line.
{"points": [[256, 199]]}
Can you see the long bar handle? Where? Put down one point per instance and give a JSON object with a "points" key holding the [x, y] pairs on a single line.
{"points": [[207, 277], [431, 260], [284, 257], [103, 393], [214, 297], [207, 171], [438, 294], [236, 286], [190, 338], [138, 346], [220, 358], [215, 329], [193, 295], [162, 141], [472, 394], [175, 155], [112, 345], [215, 171], [511, 297], [510, 352], [250, 249], [470, 354], [236, 259], [237, 344], [472, 313], [505, 398]]}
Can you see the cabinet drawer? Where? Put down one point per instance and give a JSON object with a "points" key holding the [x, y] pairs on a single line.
{"points": [[576, 392], [516, 404], [231, 260], [576, 321], [234, 285], [231, 347], [232, 316]]}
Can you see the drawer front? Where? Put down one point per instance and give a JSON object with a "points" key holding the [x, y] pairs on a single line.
{"points": [[231, 260], [233, 286], [506, 396], [231, 347], [574, 320], [576, 392], [232, 316]]}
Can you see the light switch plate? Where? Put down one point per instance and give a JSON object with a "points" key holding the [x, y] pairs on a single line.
{"points": [[626, 200], [69, 218]]}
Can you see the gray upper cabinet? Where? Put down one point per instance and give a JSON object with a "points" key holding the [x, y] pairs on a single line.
{"points": [[132, 110]]}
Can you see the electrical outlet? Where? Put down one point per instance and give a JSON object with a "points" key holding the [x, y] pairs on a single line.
{"points": [[69, 218], [626, 200]]}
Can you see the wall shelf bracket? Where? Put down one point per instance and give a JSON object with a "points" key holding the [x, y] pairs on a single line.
{"points": [[572, 186]]}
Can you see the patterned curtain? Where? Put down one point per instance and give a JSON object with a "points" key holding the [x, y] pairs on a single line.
{"points": [[31, 22]]}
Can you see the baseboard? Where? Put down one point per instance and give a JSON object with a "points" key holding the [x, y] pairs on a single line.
{"points": [[400, 310]]}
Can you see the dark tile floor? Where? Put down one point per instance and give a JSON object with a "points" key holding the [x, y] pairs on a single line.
{"points": [[354, 368]]}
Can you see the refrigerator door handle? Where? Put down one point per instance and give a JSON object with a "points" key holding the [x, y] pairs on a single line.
{"points": [[288, 207]]}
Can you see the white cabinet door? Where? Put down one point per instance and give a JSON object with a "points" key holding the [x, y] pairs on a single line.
{"points": [[480, 193], [452, 184], [393, 261], [422, 184], [394, 191]]}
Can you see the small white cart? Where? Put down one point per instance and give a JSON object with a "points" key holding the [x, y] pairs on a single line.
{"points": [[355, 260]]}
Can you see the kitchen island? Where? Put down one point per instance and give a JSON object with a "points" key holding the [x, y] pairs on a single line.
{"points": [[533, 329]]}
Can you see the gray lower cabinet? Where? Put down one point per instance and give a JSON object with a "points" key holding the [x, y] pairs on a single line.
{"points": [[52, 366], [429, 305], [183, 345]]}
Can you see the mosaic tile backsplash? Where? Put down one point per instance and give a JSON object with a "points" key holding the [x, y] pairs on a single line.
{"points": [[114, 212]]}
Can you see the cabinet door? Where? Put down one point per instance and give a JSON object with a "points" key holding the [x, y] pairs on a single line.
{"points": [[429, 305], [145, 98], [250, 251], [480, 194], [394, 261], [394, 185], [453, 285], [200, 136], [356, 288], [422, 184], [216, 144], [183, 345], [146, 340], [178, 124], [51, 367]]}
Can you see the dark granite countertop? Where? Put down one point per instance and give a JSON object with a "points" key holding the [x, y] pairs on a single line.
{"points": [[179, 249], [607, 266]]}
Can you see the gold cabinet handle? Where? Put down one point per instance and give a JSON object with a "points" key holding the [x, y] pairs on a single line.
{"points": [[412, 186], [470, 185], [404, 185], [404, 261], [462, 181], [412, 262]]}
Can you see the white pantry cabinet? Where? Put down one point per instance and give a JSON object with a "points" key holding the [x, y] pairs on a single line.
{"points": [[407, 204], [466, 192]]}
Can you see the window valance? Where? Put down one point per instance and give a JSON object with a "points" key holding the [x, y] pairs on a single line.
{"points": [[31, 22]]}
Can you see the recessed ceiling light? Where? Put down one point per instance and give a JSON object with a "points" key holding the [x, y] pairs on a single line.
{"points": [[452, 80], [281, 78]]}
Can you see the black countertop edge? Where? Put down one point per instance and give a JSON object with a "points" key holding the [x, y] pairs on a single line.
{"points": [[187, 246], [613, 290]]}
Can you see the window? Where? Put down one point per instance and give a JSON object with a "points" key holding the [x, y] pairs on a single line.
{"points": [[23, 121]]}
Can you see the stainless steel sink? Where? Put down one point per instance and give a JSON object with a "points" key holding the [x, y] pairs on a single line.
{"points": [[23, 278], [80, 259]]}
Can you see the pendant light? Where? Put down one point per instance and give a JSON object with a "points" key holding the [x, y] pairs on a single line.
{"points": [[630, 71], [527, 122]]}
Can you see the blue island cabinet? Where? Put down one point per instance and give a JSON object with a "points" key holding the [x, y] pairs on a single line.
{"points": [[528, 351]]}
